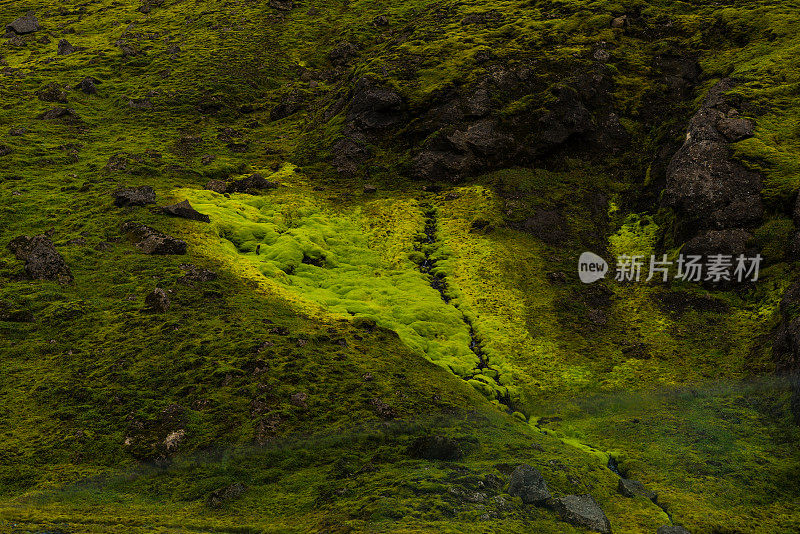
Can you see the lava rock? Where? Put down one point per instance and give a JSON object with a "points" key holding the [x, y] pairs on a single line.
{"points": [[342, 53], [672, 529], [548, 225], [218, 186], [42, 260], [634, 488], [134, 196], [435, 448], [381, 21], [151, 241], [5, 150], [64, 114], [373, 106], [706, 186], [64, 48], [24, 24], [252, 182], [713, 242], [88, 85], [157, 300], [185, 210], [194, 273], [52, 92], [584, 511], [529, 484]]}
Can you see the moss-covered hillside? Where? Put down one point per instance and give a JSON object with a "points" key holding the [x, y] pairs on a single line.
{"points": [[369, 316]]}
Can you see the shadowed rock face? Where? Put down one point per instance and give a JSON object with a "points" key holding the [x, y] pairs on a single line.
{"points": [[185, 210], [705, 186], [152, 241], [42, 260]]}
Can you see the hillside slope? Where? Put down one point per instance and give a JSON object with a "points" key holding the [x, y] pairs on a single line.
{"points": [[380, 317]]}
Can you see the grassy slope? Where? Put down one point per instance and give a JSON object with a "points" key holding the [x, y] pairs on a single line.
{"points": [[92, 357]]}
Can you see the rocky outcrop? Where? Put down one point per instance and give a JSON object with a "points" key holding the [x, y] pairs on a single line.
{"points": [[151, 241], [42, 260], [528, 484], [634, 488], [705, 186], [583, 511], [134, 196], [157, 301]]}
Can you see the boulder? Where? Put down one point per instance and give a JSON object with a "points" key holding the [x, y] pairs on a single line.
{"points": [[634, 488], [528, 484], [64, 48], [134, 196], [42, 260], [342, 53], [88, 85], [59, 113], [24, 24], [583, 511], [435, 448], [252, 182], [705, 185], [185, 210], [52, 92], [218, 186], [373, 106], [194, 273], [151, 241], [157, 300]]}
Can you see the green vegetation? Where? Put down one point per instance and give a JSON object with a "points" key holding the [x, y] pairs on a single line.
{"points": [[321, 352]]}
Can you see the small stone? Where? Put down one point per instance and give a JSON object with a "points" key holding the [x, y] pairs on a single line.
{"points": [[140, 103], [282, 5], [370, 189], [528, 484], [52, 92], [220, 496], [300, 399], [5, 150], [672, 529], [64, 48], [17, 131], [157, 300], [151, 241], [134, 196], [620, 22], [381, 21], [602, 55]]}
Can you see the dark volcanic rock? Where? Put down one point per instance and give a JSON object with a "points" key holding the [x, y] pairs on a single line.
{"points": [[42, 260], [373, 106], [5, 150], [218, 186], [52, 92], [157, 300], [88, 85], [435, 448], [289, 105], [134, 196], [529, 484], [24, 24], [584, 511], [254, 181], [196, 274], [64, 48], [712, 242], [342, 53], [634, 488], [707, 188], [185, 210], [151, 241], [64, 114], [672, 529]]}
